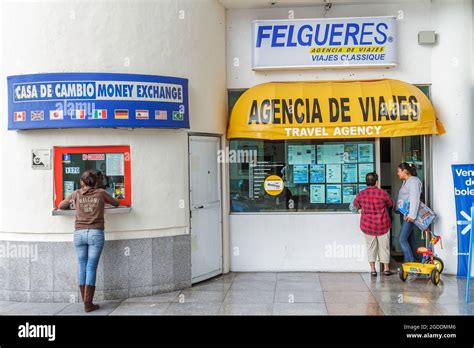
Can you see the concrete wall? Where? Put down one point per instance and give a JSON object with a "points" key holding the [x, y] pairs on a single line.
{"points": [[163, 37], [127, 268], [292, 242]]}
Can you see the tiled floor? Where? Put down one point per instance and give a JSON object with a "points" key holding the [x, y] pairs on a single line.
{"points": [[283, 294]]}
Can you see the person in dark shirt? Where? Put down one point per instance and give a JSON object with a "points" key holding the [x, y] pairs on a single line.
{"points": [[375, 222], [89, 202]]}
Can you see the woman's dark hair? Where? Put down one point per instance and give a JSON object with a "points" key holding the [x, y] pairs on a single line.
{"points": [[100, 179], [409, 167], [89, 178], [371, 179]]}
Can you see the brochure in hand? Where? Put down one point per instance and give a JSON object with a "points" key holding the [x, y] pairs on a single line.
{"points": [[424, 217]]}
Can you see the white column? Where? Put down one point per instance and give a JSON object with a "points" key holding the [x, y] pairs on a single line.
{"points": [[452, 98]]}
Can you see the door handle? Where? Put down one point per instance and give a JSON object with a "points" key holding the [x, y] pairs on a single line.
{"points": [[199, 207]]}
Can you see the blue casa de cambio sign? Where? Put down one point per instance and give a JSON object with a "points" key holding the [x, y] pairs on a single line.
{"points": [[463, 176], [94, 100]]}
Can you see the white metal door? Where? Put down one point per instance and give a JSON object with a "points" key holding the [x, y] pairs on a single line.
{"points": [[205, 198]]}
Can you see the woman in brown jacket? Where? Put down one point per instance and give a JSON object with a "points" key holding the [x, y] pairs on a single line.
{"points": [[89, 203]]}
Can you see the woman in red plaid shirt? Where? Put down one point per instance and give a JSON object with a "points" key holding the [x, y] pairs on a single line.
{"points": [[375, 222]]}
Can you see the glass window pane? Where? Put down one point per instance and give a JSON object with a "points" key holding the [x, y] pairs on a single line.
{"points": [[318, 175], [110, 164]]}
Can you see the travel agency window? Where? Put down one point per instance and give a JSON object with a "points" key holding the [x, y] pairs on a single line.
{"points": [[112, 161], [307, 146]]}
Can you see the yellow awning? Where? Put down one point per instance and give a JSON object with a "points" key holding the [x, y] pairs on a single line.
{"points": [[333, 109]]}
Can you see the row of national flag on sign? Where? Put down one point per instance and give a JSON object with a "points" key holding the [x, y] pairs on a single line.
{"points": [[97, 114]]}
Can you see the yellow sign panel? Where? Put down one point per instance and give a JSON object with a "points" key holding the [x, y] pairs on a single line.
{"points": [[346, 49], [273, 185], [333, 110]]}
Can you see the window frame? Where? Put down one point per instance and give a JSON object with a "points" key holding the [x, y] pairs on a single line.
{"points": [[59, 151], [376, 164]]}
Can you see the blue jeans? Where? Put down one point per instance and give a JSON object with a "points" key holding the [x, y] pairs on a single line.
{"points": [[406, 239], [88, 244]]}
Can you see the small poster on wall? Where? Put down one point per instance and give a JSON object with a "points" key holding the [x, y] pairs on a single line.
{"points": [[41, 159]]}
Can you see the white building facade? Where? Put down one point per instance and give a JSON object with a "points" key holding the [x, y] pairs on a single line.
{"points": [[331, 242], [150, 247]]}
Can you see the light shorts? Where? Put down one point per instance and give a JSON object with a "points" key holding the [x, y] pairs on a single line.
{"points": [[378, 246]]}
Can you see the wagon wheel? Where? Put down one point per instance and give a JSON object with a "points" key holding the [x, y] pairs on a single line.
{"points": [[402, 274], [438, 263], [435, 276]]}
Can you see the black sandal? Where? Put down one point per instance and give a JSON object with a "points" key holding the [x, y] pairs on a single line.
{"points": [[373, 274], [388, 273]]}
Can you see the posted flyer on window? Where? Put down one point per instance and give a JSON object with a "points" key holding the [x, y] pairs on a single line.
{"points": [[300, 174], [331, 154], [350, 153], [317, 174], [349, 173], [333, 194], [349, 193], [294, 154], [333, 173], [301, 154], [114, 164], [308, 154], [366, 152], [365, 168], [317, 194]]}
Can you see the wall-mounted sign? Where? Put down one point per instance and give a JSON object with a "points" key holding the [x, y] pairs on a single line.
{"points": [[92, 100], [41, 159], [324, 43]]}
